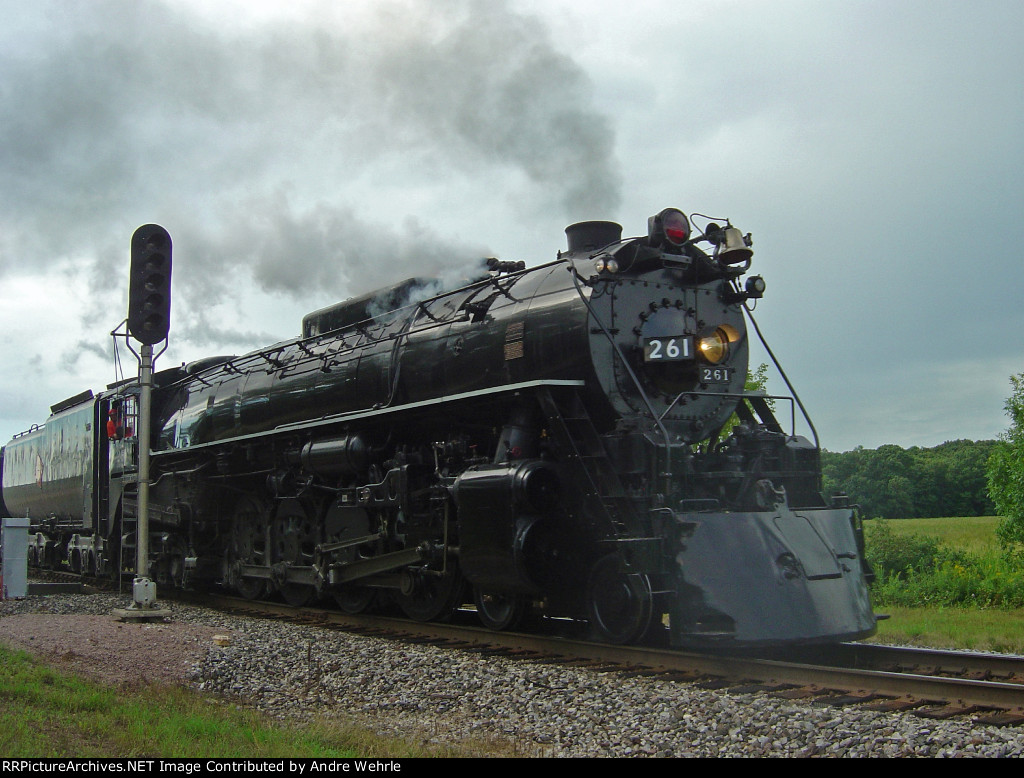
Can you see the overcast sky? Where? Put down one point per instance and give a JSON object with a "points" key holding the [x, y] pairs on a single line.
{"points": [[305, 151]]}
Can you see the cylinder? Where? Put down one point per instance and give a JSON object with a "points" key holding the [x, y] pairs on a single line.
{"points": [[499, 510]]}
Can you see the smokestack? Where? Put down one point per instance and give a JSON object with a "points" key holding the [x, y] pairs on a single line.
{"points": [[588, 237]]}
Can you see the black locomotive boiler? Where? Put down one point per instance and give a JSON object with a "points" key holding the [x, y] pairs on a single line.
{"points": [[570, 440]]}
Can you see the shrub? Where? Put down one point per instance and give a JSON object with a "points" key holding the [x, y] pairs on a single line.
{"points": [[897, 556], [914, 570]]}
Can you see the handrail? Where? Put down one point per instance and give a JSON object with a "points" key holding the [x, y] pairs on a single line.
{"points": [[785, 378]]}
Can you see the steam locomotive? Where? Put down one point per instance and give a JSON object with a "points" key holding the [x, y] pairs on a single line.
{"points": [[571, 440]]}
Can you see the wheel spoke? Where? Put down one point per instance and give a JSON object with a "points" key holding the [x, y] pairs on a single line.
{"points": [[294, 542], [248, 546]]}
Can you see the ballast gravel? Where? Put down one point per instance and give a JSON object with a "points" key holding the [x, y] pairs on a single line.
{"points": [[444, 696]]}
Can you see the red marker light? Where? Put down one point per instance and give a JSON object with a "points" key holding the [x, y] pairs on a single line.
{"points": [[676, 226], [676, 236]]}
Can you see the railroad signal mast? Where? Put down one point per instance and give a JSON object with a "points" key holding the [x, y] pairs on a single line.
{"points": [[149, 321]]}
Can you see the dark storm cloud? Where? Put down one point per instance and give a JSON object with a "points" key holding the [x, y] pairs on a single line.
{"points": [[112, 108]]}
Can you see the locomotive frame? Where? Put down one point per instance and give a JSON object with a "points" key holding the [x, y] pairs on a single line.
{"points": [[569, 440]]}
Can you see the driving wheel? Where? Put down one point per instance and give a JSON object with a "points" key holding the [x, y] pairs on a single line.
{"points": [[294, 545], [620, 603], [427, 595], [500, 611], [249, 546]]}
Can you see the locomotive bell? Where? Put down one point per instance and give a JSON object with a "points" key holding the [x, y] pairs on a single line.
{"points": [[733, 247]]}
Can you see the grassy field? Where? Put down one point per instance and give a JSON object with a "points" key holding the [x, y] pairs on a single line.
{"points": [[973, 534], [46, 713], [974, 553]]}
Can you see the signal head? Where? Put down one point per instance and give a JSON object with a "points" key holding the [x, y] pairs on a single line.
{"points": [[149, 287]]}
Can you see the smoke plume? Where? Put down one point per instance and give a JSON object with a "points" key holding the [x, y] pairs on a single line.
{"points": [[262, 147]]}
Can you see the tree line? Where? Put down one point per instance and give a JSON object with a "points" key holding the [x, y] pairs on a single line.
{"points": [[891, 482]]}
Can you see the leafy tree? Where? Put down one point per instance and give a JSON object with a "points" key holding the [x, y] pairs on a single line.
{"points": [[1006, 469], [757, 381], [966, 480], [895, 483]]}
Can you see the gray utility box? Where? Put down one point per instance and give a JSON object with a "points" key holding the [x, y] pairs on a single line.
{"points": [[14, 575]]}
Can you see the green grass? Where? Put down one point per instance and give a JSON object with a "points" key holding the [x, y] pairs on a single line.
{"points": [[973, 534], [48, 713], [973, 629]]}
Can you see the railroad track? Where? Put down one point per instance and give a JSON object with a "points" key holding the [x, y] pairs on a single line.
{"points": [[927, 682]]}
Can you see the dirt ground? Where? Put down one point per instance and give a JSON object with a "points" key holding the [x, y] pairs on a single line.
{"points": [[118, 653]]}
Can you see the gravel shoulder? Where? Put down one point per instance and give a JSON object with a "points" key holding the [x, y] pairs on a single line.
{"points": [[441, 696]]}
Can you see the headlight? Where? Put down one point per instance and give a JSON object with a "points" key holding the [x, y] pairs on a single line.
{"points": [[714, 348]]}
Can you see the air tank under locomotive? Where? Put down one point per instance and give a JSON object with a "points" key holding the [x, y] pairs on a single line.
{"points": [[569, 440]]}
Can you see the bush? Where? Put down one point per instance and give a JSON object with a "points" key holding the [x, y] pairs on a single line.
{"points": [[898, 556], [914, 570]]}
